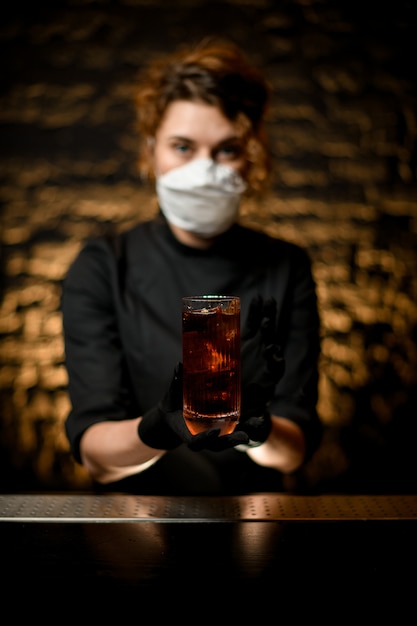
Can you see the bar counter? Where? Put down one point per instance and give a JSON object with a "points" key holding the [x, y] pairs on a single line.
{"points": [[259, 557]]}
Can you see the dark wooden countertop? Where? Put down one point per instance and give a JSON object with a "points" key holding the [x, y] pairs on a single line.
{"points": [[82, 558]]}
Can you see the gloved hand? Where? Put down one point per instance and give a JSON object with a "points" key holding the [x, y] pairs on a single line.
{"points": [[163, 427], [262, 367]]}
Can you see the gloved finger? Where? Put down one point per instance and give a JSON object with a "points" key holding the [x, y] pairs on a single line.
{"points": [[173, 398], [211, 440], [254, 317], [274, 358], [268, 322], [236, 438], [257, 428], [178, 370], [200, 441]]}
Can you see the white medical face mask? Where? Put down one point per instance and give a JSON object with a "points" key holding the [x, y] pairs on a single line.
{"points": [[201, 197]]}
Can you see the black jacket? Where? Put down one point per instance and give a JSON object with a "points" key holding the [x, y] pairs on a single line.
{"points": [[121, 308]]}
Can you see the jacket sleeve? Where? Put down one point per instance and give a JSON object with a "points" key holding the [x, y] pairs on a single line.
{"points": [[299, 333], [93, 352]]}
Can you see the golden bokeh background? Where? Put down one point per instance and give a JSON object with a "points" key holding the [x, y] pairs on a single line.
{"points": [[343, 130]]}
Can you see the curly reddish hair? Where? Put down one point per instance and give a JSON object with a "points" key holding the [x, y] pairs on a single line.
{"points": [[214, 72]]}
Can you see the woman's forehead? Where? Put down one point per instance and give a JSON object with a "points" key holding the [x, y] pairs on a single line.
{"points": [[196, 121]]}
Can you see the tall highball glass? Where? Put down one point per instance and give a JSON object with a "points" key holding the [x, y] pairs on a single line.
{"points": [[211, 362]]}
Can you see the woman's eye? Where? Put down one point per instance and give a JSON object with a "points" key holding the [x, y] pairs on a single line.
{"points": [[229, 153], [182, 148]]}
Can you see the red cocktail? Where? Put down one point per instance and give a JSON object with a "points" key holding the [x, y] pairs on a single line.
{"points": [[211, 362]]}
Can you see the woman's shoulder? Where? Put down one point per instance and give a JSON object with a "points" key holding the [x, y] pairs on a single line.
{"points": [[112, 242], [262, 243]]}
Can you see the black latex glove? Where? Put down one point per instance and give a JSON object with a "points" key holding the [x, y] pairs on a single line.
{"points": [[262, 367], [163, 427]]}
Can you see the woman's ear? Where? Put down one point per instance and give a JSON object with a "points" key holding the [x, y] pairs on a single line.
{"points": [[146, 160], [150, 145]]}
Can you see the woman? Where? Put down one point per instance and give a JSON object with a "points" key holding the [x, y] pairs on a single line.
{"points": [[200, 114]]}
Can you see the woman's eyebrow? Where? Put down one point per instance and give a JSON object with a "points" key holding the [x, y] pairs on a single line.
{"points": [[223, 142], [231, 139], [180, 138]]}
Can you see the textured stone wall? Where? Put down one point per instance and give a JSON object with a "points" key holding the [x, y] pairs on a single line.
{"points": [[343, 130]]}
